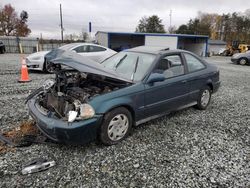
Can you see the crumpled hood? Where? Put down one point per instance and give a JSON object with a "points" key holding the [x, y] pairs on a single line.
{"points": [[83, 64]]}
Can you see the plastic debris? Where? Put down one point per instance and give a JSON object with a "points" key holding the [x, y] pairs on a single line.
{"points": [[37, 165]]}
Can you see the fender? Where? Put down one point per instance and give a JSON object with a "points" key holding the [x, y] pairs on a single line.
{"points": [[106, 106]]}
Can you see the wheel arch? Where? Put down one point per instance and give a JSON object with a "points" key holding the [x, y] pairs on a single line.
{"points": [[209, 84], [127, 106], [247, 61]]}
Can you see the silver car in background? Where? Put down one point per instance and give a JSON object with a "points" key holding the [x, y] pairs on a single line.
{"points": [[36, 61], [241, 58]]}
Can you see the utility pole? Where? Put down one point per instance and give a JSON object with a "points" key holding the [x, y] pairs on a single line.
{"points": [[61, 22], [170, 17]]}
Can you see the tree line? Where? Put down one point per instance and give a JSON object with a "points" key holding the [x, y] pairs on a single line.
{"points": [[228, 27]]}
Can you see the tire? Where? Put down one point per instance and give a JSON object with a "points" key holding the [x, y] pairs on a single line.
{"points": [[116, 126], [47, 67], [243, 61], [204, 98]]}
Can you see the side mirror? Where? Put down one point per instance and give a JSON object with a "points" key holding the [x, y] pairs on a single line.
{"points": [[155, 77], [73, 51]]}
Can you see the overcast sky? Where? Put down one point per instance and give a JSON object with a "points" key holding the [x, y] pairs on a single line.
{"points": [[113, 15]]}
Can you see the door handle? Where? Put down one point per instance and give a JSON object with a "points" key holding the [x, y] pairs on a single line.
{"points": [[184, 81]]}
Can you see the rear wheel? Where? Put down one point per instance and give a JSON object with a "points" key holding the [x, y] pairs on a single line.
{"points": [[243, 61], [204, 98], [116, 126]]}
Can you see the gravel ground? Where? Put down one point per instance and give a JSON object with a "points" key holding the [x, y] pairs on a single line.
{"points": [[189, 148]]}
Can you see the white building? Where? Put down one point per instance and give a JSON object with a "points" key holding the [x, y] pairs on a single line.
{"points": [[119, 41]]}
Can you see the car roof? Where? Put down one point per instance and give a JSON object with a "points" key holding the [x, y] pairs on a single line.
{"points": [[153, 49], [76, 44]]}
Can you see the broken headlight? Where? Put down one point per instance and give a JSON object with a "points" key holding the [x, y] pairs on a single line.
{"points": [[85, 112]]}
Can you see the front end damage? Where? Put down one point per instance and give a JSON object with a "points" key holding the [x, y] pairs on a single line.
{"points": [[61, 108]]}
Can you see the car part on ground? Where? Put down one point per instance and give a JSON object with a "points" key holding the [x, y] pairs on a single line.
{"points": [[6, 141], [21, 136], [37, 165]]}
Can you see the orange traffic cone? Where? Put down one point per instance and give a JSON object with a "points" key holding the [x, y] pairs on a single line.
{"points": [[24, 72]]}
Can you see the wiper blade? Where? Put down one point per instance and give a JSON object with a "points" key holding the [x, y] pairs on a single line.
{"points": [[136, 65], [121, 60]]}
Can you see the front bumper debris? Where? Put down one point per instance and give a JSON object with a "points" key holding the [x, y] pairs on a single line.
{"points": [[77, 132]]}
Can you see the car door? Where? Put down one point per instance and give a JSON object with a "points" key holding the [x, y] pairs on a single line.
{"points": [[171, 93], [197, 76]]}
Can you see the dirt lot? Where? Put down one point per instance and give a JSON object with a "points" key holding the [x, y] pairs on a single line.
{"points": [[189, 148]]}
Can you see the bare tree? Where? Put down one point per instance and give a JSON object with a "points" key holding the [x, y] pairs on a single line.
{"points": [[11, 24]]}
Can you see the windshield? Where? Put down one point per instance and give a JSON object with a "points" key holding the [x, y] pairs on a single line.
{"points": [[131, 65]]}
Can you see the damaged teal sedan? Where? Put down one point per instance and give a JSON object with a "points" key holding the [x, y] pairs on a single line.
{"points": [[88, 100]]}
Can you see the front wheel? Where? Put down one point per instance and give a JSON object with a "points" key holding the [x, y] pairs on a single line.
{"points": [[204, 98], [48, 67], [243, 61], [116, 126]]}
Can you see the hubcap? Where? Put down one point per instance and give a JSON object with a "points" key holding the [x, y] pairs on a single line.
{"points": [[118, 127], [49, 67], [205, 98], [243, 61]]}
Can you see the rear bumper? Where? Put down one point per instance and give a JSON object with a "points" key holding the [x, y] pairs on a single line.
{"points": [[78, 132]]}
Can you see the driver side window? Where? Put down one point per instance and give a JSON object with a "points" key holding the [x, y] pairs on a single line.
{"points": [[170, 66]]}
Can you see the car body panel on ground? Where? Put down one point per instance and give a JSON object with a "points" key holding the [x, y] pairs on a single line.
{"points": [[173, 79]]}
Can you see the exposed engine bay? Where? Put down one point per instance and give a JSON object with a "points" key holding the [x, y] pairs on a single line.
{"points": [[67, 97]]}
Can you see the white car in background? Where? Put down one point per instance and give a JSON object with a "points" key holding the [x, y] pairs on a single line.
{"points": [[36, 61]]}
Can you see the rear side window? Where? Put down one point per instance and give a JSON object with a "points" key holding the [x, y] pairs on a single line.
{"points": [[96, 49], [81, 49], [193, 63]]}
